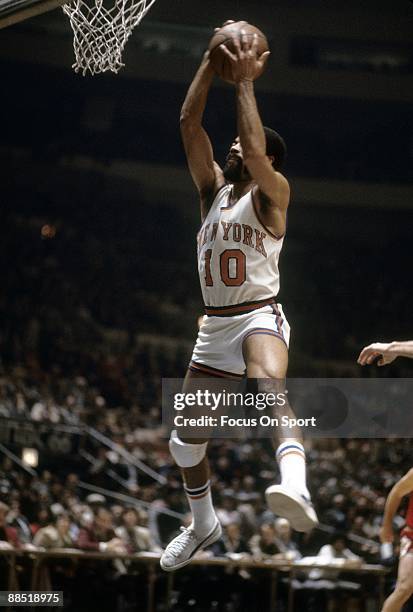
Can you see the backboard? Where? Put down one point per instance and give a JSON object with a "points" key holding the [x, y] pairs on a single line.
{"points": [[13, 11]]}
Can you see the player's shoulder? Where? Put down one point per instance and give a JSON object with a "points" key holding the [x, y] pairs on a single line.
{"points": [[283, 185], [281, 195]]}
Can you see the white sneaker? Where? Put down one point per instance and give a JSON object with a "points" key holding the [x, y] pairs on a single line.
{"points": [[289, 504], [181, 550]]}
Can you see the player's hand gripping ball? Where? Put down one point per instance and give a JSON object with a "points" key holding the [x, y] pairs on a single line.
{"points": [[238, 51]]}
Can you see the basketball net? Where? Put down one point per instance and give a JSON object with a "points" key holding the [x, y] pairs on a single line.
{"points": [[101, 33]]}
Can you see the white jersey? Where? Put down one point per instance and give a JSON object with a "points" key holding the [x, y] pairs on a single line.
{"points": [[237, 255]]}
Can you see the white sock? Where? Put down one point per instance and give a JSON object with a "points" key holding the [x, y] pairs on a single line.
{"points": [[291, 461], [203, 513]]}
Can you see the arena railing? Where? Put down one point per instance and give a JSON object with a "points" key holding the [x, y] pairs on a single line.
{"points": [[40, 576]]}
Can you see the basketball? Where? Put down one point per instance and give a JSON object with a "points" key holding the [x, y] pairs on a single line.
{"points": [[223, 36]]}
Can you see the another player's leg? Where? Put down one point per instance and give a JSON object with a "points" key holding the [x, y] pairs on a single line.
{"points": [[189, 455], [404, 586], [266, 357]]}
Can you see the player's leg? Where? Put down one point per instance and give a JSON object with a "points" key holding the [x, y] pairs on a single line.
{"points": [[404, 586], [266, 358], [189, 454], [196, 477]]}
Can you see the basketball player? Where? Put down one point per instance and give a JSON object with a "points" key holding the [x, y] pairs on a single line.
{"points": [[385, 352], [404, 584], [243, 211]]}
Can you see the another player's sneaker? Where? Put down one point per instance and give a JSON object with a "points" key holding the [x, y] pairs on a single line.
{"points": [[293, 506], [181, 550]]}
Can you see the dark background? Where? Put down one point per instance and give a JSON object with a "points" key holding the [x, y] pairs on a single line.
{"points": [[100, 159]]}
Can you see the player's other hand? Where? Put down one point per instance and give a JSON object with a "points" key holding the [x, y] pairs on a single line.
{"points": [[383, 351], [246, 63], [386, 534]]}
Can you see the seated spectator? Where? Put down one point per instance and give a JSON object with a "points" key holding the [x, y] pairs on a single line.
{"points": [[100, 535], [18, 521], [336, 513], [135, 537], [8, 535], [346, 593], [43, 518], [8, 540], [249, 507], [264, 543], [329, 553], [227, 510], [55, 535], [232, 541], [337, 549], [362, 543], [283, 540]]}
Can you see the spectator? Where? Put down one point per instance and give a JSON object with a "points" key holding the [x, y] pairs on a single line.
{"points": [[338, 549], [100, 536], [264, 543], [55, 535], [336, 515], [227, 511], [283, 540], [17, 520], [345, 591], [232, 541], [8, 535], [42, 519], [135, 537]]}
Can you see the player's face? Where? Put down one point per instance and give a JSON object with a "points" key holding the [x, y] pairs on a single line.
{"points": [[235, 169]]}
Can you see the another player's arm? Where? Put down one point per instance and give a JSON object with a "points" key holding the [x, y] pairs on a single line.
{"points": [[273, 187], [205, 172], [387, 352], [403, 487]]}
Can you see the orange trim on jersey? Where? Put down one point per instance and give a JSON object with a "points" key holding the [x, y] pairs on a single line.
{"points": [[234, 309], [195, 366]]}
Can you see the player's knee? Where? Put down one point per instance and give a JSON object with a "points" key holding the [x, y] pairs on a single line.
{"points": [[265, 371], [186, 455], [404, 590], [268, 377]]}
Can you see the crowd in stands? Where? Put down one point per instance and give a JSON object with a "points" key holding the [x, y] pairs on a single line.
{"points": [[73, 353], [349, 480]]}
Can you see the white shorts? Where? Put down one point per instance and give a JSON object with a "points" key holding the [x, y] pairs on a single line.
{"points": [[218, 349]]}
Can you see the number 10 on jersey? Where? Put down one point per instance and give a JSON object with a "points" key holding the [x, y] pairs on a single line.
{"points": [[226, 258]]}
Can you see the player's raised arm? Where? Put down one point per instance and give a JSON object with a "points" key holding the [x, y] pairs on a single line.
{"points": [[403, 487], [386, 352], [205, 172], [274, 191]]}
